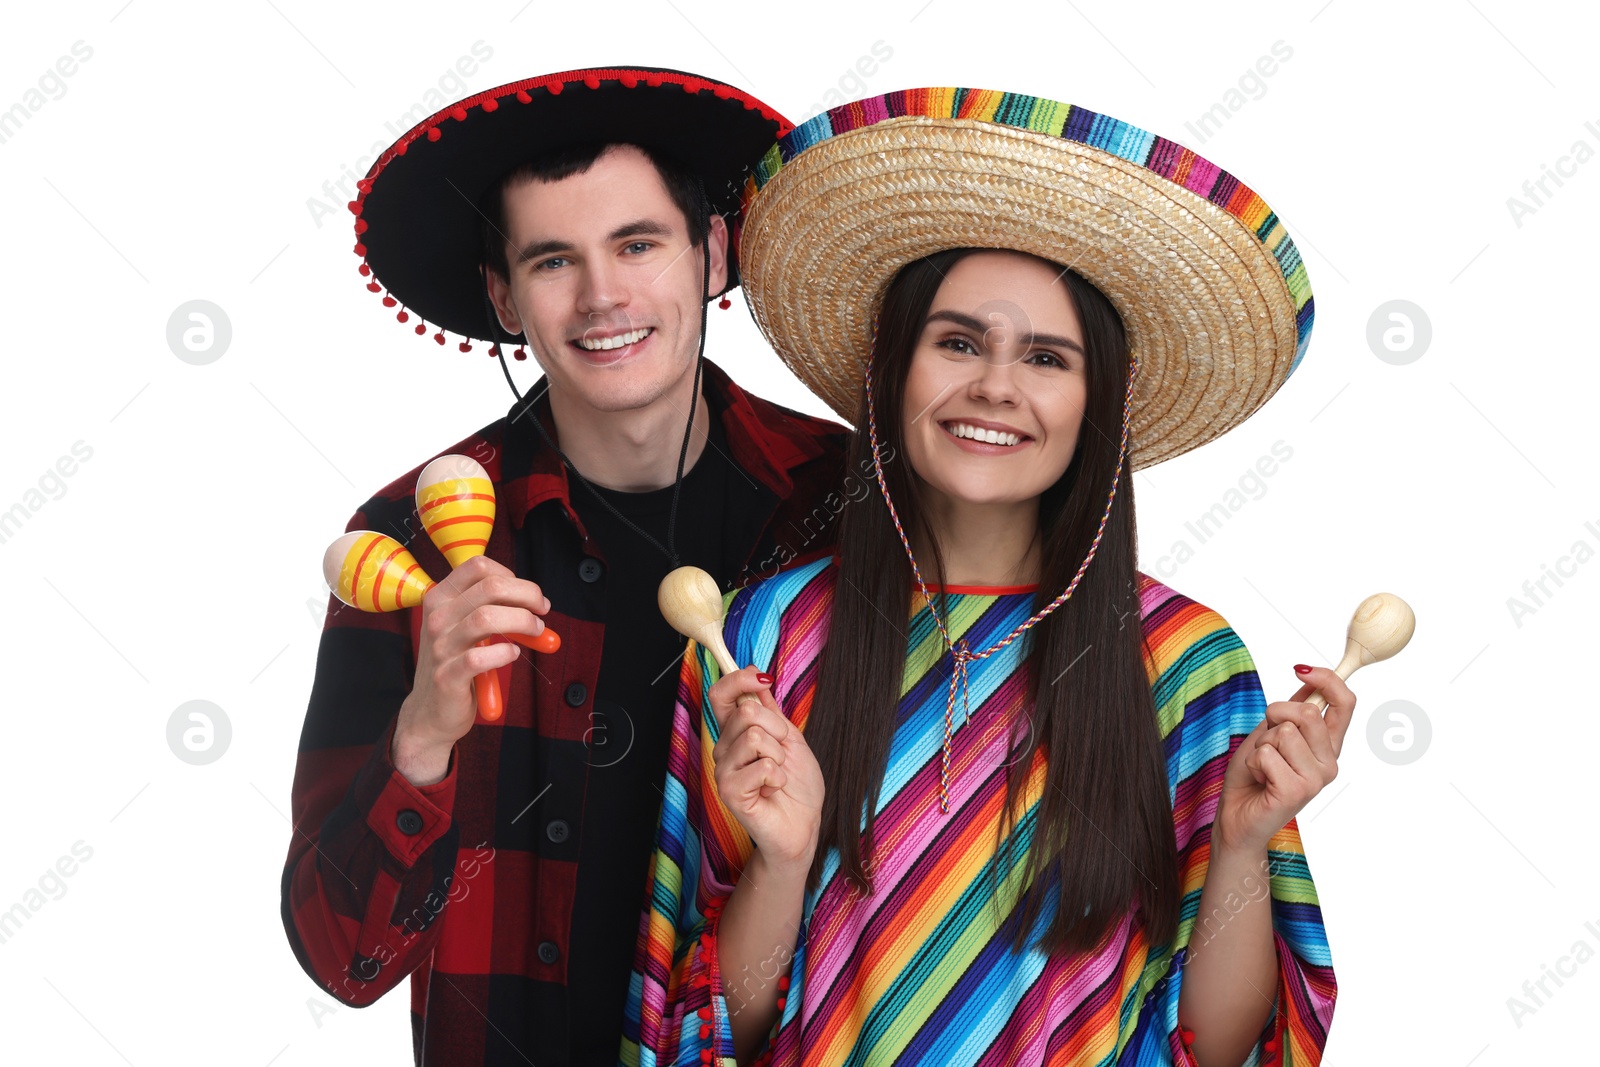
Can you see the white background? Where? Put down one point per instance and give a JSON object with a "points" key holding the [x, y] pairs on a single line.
{"points": [[177, 562]]}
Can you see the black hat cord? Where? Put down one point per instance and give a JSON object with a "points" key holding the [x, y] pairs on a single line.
{"points": [[670, 549]]}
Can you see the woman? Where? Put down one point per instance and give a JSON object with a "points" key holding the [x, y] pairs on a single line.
{"points": [[975, 815]]}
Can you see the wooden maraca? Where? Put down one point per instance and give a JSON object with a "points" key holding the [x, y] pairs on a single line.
{"points": [[692, 605], [1381, 626]]}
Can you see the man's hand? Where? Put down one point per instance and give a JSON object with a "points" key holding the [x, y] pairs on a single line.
{"points": [[479, 599]]}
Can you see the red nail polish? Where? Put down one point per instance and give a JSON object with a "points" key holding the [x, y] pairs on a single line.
{"points": [[764, 679], [1301, 668]]}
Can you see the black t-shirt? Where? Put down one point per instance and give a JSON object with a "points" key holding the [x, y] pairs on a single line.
{"points": [[632, 724]]}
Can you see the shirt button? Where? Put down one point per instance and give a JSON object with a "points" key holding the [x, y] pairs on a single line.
{"points": [[577, 694], [590, 569], [409, 822], [548, 953], [557, 831]]}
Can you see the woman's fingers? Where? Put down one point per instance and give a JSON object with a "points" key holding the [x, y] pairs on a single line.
{"points": [[1271, 769], [1310, 721], [1341, 701], [744, 717], [734, 715], [1290, 742], [752, 744], [758, 779]]}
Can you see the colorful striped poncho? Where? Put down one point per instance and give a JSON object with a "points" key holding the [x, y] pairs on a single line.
{"points": [[920, 971]]}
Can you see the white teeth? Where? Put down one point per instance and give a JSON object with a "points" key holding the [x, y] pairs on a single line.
{"points": [[601, 344], [993, 437]]}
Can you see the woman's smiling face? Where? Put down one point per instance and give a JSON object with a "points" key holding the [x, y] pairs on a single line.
{"points": [[995, 393]]}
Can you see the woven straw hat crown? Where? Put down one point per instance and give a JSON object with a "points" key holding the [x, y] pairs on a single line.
{"points": [[1211, 290]]}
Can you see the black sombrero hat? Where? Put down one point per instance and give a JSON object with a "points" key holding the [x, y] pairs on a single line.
{"points": [[417, 215]]}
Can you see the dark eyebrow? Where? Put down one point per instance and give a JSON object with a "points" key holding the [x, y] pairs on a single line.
{"points": [[636, 228], [1028, 340]]}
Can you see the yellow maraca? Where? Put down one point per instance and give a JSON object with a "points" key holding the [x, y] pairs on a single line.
{"points": [[455, 500], [374, 572]]}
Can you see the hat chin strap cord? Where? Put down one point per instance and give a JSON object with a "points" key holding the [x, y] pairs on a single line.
{"points": [[670, 549]]}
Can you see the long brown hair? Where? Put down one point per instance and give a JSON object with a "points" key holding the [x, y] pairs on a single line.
{"points": [[1104, 833]]}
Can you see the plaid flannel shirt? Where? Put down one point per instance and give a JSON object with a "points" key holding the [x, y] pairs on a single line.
{"points": [[458, 884]]}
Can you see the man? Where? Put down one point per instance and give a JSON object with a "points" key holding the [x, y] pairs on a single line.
{"points": [[502, 865]]}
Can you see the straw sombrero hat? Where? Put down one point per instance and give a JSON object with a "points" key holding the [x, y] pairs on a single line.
{"points": [[1210, 288]]}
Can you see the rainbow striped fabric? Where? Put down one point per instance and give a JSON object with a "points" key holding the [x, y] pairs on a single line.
{"points": [[1169, 159], [920, 971]]}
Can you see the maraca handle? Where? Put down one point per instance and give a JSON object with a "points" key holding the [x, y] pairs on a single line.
{"points": [[1344, 670], [719, 652], [486, 687], [548, 641]]}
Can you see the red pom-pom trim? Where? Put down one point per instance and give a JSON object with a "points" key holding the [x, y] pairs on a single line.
{"points": [[705, 1013], [421, 329], [402, 316], [465, 347], [554, 86], [373, 287]]}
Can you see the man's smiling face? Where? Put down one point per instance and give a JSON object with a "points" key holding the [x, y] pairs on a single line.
{"points": [[604, 281]]}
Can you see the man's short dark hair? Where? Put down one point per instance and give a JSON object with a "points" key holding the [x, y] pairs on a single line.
{"points": [[682, 185]]}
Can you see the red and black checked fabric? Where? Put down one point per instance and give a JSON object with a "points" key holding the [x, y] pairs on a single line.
{"points": [[456, 884]]}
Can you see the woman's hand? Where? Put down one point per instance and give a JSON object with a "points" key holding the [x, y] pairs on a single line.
{"points": [[766, 774], [1284, 762]]}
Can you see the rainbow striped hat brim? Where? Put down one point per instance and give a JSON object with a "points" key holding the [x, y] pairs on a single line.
{"points": [[1211, 289]]}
